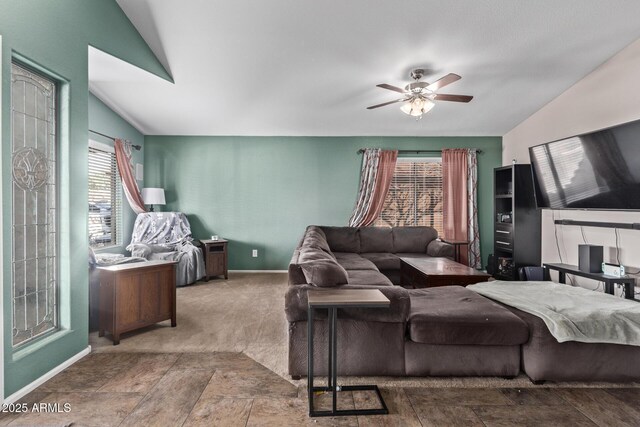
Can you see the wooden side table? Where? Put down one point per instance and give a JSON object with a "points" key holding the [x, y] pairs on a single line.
{"points": [[215, 258], [456, 247], [332, 300], [136, 295]]}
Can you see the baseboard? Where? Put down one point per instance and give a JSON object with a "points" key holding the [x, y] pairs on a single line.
{"points": [[257, 271], [46, 377]]}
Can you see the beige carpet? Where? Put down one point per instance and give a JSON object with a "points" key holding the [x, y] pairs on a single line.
{"points": [[246, 314]]}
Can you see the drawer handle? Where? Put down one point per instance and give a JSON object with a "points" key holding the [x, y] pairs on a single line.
{"points": [[503, 243], [503, 232]]}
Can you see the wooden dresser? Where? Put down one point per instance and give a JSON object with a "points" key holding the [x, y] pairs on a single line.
{"points": [[136, 295]]}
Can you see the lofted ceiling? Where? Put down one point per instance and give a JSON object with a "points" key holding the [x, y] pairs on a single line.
{"points": [[303, 67]]}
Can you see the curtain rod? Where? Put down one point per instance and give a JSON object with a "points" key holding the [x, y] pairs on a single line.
{"points": [[137, 147], [360, 151]]}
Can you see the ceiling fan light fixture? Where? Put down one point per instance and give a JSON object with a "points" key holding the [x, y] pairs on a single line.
{"points": [[417, 107]]}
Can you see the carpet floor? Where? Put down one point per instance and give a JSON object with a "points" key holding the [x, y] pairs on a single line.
{"points": [[246, 314]]}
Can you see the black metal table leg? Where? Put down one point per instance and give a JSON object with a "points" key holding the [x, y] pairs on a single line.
{"points": [[332, 375], [629, 290], [330, 355], [609, 288], [333, 372], [310, 358]]}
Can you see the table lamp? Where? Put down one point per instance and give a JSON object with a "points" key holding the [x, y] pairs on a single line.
{"points": [[153, 196]]}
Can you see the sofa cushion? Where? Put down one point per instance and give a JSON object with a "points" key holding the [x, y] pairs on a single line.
{"points": [[368, 278], [315, 238], [342, 239], [383, 260], [376, 239], [412, 239], [439, 248], [394, 276], [309, 254], [324, 273], [316, 229], [454, 315], [296, 277], [351, 261]]}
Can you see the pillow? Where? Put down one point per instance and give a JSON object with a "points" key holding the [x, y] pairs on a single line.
{"points": [[315, 239], [324, 273], [317, 229], [309, 254]]}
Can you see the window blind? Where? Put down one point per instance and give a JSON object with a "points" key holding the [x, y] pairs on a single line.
{"points": [[105, 197], [415, 194]]}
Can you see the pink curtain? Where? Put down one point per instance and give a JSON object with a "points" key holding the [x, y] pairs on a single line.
{"points": [[455, 197], [129, 184], [377, 170], [460, 202]]}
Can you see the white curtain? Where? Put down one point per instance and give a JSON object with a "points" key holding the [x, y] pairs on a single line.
{"points": [[472, 205]]}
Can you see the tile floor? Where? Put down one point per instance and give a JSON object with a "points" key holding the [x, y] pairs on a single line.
{"points": [[231, 389]]}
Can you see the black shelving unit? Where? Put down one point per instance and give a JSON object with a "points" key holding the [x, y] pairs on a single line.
{"points": [[516, 241]]}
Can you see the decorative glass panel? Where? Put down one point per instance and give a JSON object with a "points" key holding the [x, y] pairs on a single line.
{"points": [[34, 234]]}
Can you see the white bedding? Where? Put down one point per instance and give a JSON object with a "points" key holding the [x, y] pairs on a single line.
{"points": [[570, 313]]}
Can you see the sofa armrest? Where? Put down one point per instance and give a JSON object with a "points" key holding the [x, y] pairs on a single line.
{"points": [[437, 248], [296, 305]]}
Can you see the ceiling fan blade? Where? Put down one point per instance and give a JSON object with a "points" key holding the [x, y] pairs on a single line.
{"points": [[393, 88], [454, 98], [386, 103], [446, 80]]}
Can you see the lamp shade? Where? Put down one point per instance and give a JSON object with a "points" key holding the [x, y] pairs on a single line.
{"points": [[153, 196], [417, 107]]}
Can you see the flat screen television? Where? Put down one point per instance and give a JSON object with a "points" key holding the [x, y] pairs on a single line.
{"points": [[598, 170]]}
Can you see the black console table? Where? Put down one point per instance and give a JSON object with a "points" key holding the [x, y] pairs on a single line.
{"points": [[609, 281], [332, 300]]}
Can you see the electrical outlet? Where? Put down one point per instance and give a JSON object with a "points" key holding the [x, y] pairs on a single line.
{"points": [[254, 253]]}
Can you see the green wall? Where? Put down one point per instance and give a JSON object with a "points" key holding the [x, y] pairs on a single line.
{"points": [[261, 192], [104, 120], [54, 36]]}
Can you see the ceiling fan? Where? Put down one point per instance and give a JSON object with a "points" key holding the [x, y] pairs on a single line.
{"points": [[419, 96]]}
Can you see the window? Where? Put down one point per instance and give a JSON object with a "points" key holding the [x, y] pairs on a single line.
{"points": [[415, 194], [34, 200], [105, 195]]}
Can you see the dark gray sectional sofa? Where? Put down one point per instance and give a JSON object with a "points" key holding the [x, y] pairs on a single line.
{"points": [[370, 255], [444, 331], [438, 331]]}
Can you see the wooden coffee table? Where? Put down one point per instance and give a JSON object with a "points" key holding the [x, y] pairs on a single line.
{"points": [[430, 272]]}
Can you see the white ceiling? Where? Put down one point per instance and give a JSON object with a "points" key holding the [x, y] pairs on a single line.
{"points": [[305, 67]]}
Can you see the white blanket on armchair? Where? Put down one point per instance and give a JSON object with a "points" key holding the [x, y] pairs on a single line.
{"points": [[570, 313], [167, 236]]}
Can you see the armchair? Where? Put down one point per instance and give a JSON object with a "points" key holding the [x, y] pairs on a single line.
{"points": [[167, 236]]}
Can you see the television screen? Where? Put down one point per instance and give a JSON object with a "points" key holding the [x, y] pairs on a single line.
{"points": [[598, 170]]}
